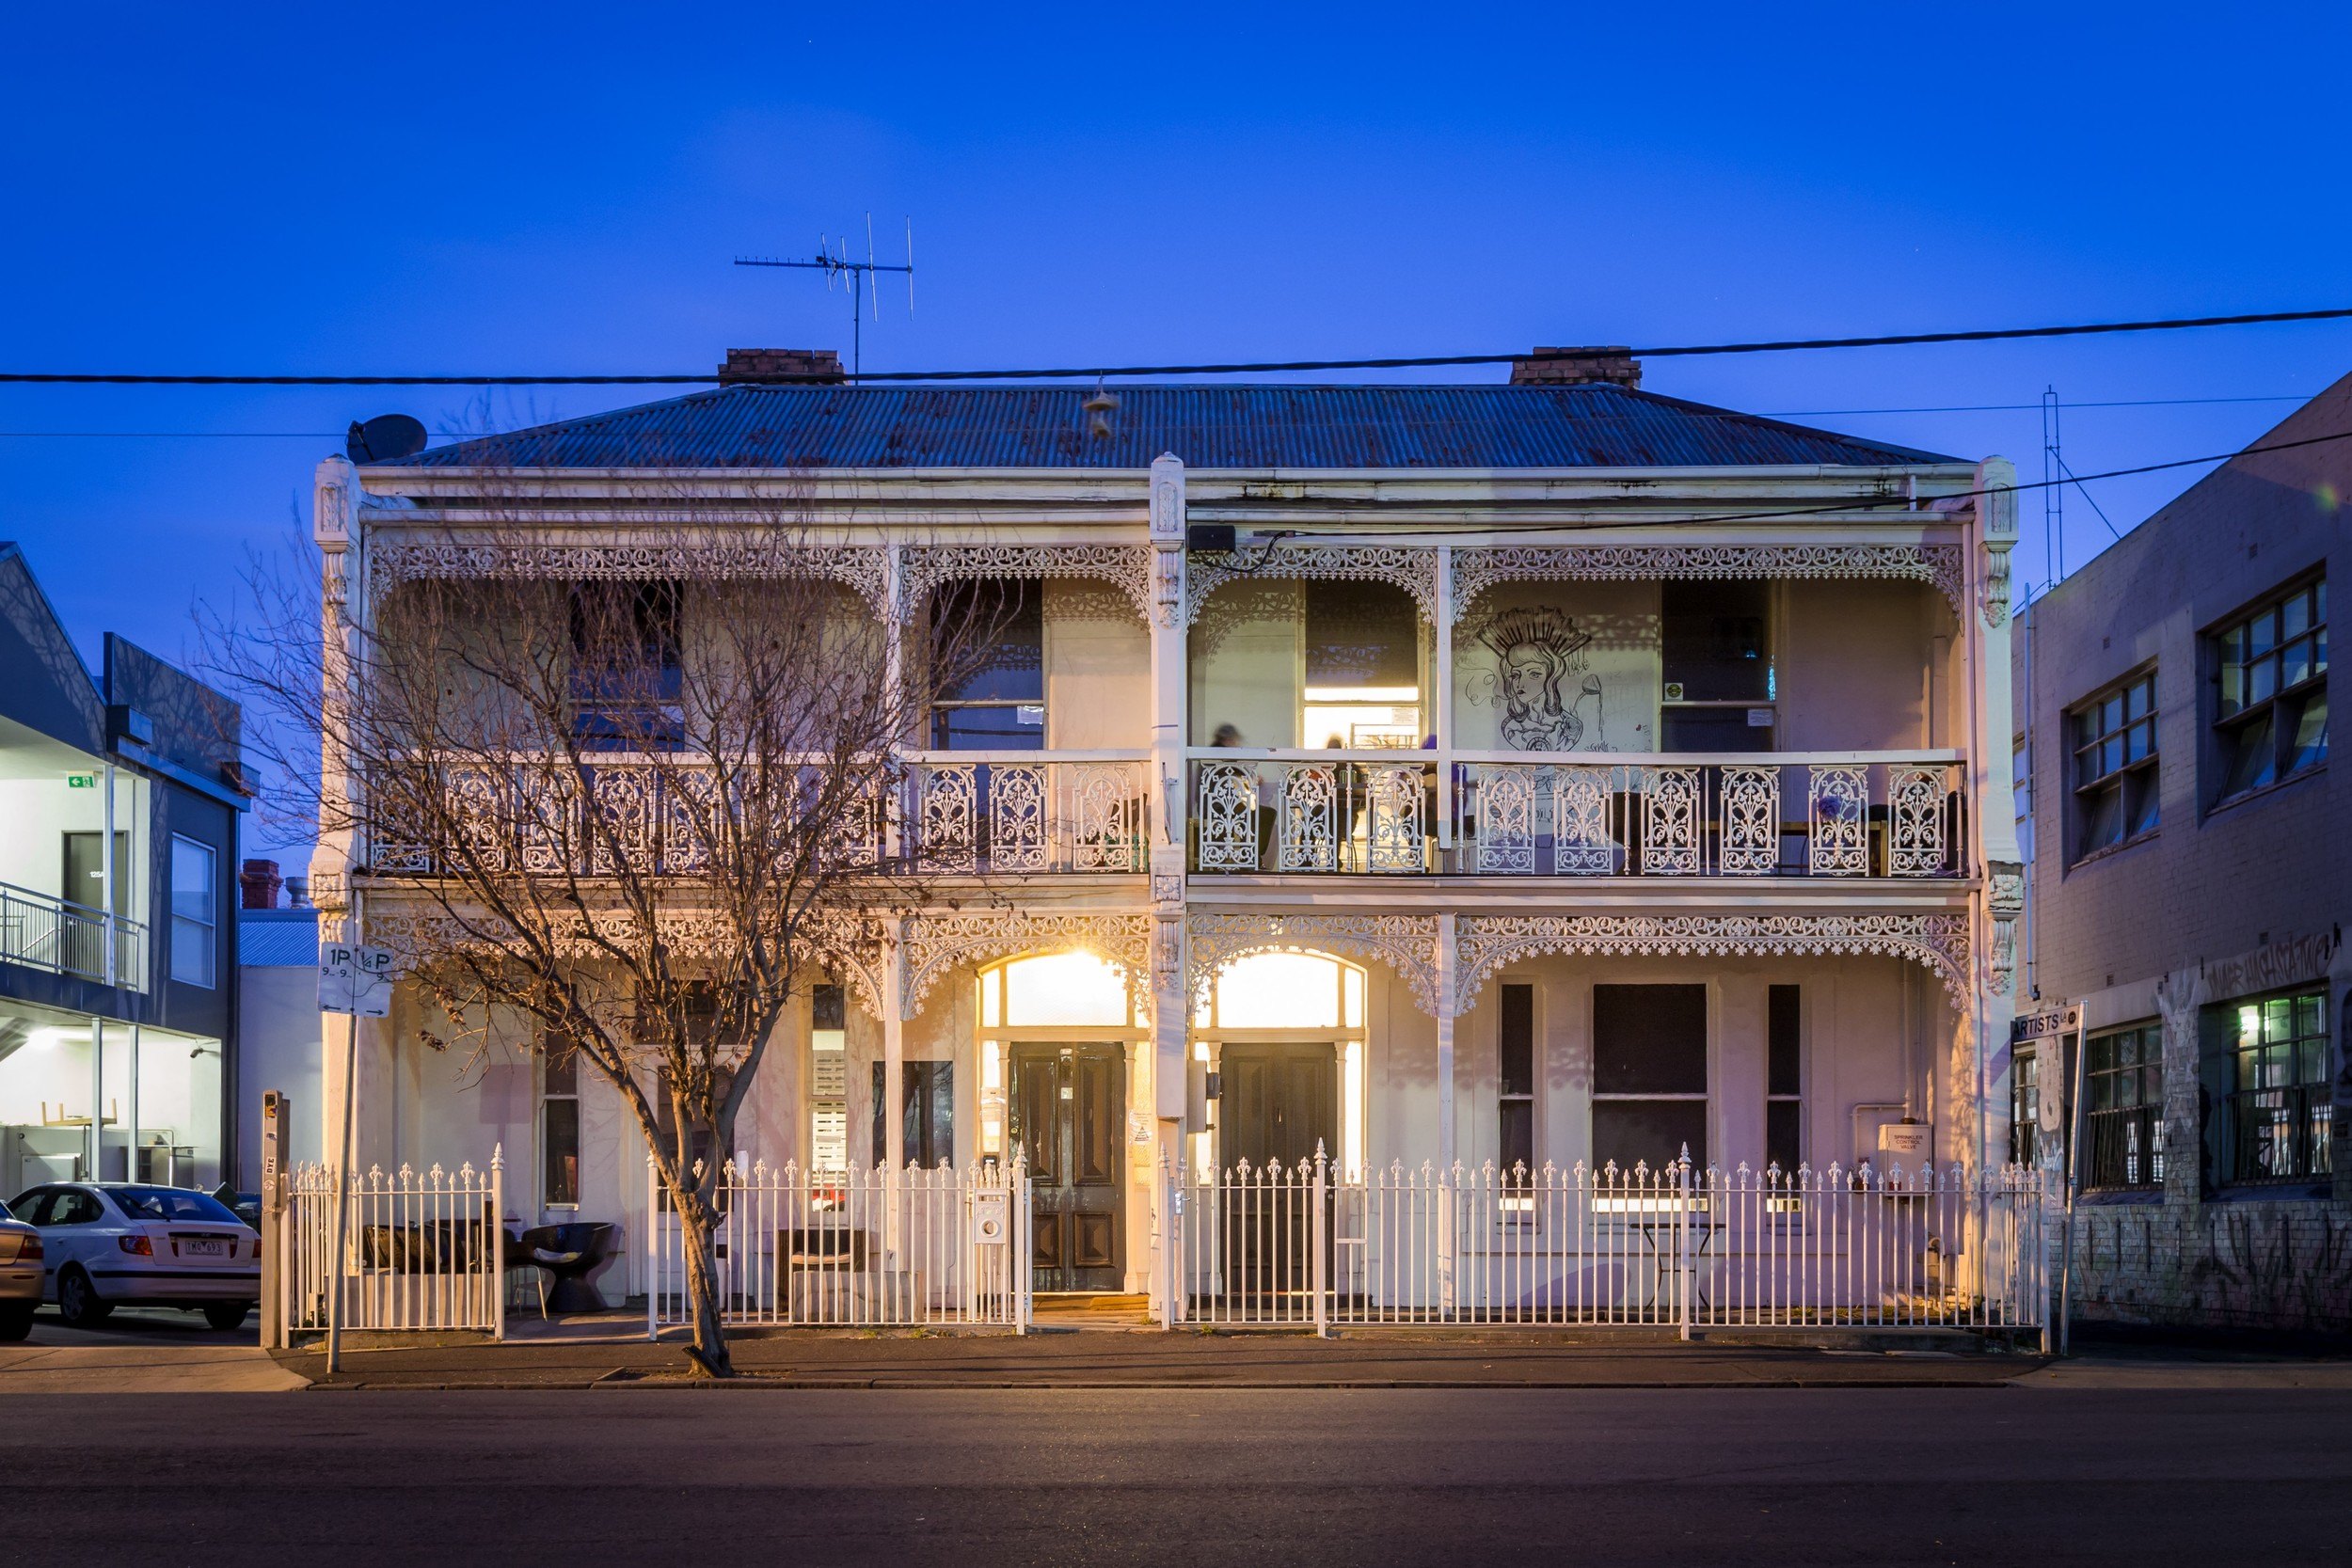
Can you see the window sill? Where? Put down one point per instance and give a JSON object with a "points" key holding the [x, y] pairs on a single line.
{"points": [[2231, 802], [2291, 1189], [2095, 856], [2122, 1197]]}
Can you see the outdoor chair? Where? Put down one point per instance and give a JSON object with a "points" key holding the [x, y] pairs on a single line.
{"points": [[565, 1254]]}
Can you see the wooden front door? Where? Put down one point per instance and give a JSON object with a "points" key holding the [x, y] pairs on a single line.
{"points": [[1280, 1103], [1068, 1104]]}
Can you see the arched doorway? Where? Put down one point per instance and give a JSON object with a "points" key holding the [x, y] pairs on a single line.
{"points": [[1058, 1036], [1283, 1035]]}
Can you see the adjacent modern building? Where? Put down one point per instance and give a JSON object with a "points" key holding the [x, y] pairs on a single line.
{"points": [[2188, 899], [119, 797], [1543, 772]]}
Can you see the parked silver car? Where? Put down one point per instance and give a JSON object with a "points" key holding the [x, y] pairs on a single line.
{"points": [[19, 1275], [112, 1243]]}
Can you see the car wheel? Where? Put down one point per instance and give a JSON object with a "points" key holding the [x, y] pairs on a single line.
{"points": [[79, 1302], [226, 1315], [15, 1324]]}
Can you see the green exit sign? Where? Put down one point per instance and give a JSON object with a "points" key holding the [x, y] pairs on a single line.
{"points": [[80, 781]]}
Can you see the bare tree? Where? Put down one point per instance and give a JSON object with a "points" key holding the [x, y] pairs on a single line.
{"points": [[642, 813]]}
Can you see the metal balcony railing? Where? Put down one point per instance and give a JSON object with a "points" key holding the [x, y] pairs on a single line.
{"points": [[952, 813], [1581, 814], [43, 931]]}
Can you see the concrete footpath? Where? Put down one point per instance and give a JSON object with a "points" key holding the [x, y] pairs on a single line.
{"points": [[610, 1353]]}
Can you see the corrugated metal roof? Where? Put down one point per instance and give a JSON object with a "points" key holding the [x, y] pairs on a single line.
{"points": [[1593, 425], [277, 939]]}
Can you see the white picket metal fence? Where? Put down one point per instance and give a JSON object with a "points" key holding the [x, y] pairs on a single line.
{"points": [[1680, 1247], [419, 1249], [872, 1248]]}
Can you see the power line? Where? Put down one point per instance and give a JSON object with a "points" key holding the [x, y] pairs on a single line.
{"points": [[1785, 345], [1903, 501]]}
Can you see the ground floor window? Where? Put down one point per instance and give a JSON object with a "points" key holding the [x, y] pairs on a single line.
{"points": [[2024, 1109], [1516, 1085], [2272, 1119], [1783, 1079], [559, 1130], [1649, 1074], [2123, 1124], [927, 1092]]}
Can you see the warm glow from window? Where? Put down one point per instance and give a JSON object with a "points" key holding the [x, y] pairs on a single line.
{"points": [[1061, 990], [1280, 990]]}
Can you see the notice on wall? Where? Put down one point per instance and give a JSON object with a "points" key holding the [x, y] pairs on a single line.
{"points": [[1558, 667]]}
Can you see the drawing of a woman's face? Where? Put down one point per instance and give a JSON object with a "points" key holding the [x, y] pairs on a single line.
{"points": [[1526, 674]]}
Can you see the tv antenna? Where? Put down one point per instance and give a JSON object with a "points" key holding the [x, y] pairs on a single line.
{"points": [[861, 278]]}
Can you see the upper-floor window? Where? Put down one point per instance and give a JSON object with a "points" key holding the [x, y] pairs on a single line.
{"points": [[2271, 717], [2114, 737], [195, 914], [1361, 666], [1716, 662], [627, 667], [994, 700]]}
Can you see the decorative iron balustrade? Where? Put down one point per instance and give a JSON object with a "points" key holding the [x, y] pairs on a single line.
{"points": [[42, 931], [1581, 814], [950, 813]]}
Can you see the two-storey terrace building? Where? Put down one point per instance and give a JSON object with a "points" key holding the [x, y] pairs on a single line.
{"points": [[1548, 772]]}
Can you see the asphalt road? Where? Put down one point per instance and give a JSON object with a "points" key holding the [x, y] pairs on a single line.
{"points": [[1180, 1475]]}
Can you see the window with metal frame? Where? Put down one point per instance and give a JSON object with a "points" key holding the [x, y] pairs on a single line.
{"points": [[1515, 1091], [195, 917], [1649, 1075], [2024, 1108], [2114, 737], [2270, 714], [1784, 1077], [2271, 1121], [2123, 1124]]}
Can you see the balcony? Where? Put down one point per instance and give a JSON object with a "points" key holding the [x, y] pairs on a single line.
{"points": [[948, 813], [41, 932], [1813, 814]]}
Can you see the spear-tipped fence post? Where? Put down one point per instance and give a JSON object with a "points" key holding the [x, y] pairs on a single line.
{"points": [[494, 1218], [1318, 1239], [652, 1251], [1686, 1267]]}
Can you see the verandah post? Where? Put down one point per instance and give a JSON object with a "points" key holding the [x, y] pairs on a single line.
{"points": [[494, 1217]]}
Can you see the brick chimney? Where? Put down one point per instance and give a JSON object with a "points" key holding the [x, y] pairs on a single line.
{"points": [[1616, 366], [786, 365], [259, 883]]}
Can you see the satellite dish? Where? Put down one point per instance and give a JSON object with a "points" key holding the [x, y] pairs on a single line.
{"points": [[385, 438]]}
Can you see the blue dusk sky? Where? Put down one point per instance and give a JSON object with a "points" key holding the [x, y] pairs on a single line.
{"points": [[485, 188]]}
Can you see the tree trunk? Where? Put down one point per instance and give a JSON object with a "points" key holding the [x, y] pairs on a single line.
{"points": [[709, 1353]]}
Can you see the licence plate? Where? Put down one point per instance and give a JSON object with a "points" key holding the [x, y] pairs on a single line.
{"points": [[203, 1249]]}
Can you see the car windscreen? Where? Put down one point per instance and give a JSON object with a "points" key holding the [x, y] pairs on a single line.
{"points": [[170, 1203]]}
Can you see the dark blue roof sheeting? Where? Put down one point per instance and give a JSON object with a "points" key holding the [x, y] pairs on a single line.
{"points": [[1590, 425]]}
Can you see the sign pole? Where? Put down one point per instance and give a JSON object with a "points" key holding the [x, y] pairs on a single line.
{"points": [[356, 982]]}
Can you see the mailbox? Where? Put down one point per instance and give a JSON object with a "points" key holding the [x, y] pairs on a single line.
{"points": [[991, 1219]]}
